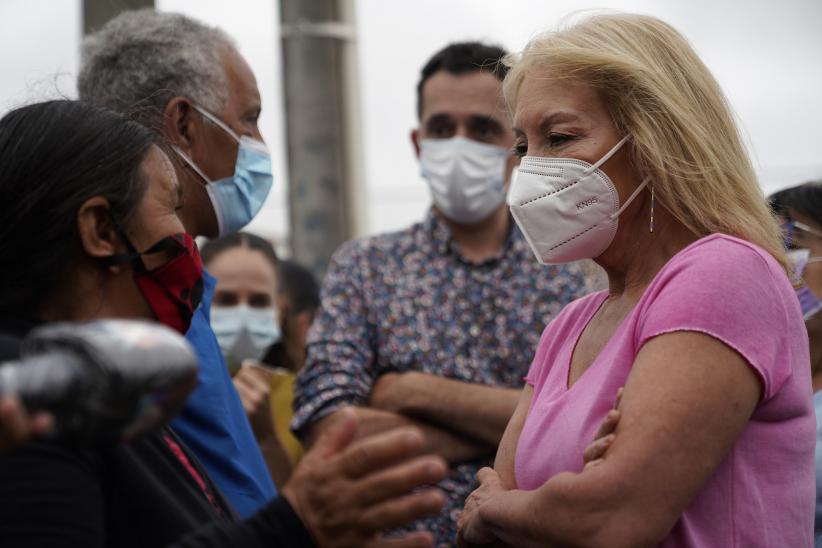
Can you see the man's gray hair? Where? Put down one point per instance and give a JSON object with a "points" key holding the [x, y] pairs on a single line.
{"points": [[141, 59]]}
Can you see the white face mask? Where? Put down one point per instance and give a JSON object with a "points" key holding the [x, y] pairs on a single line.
{"points": [[567, 209], [466, 178], [245, 333]]}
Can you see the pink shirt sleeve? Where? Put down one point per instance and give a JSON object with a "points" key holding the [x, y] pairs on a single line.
{"points": [[732, 291]]}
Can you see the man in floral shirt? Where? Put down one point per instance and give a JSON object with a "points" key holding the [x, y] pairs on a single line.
{"points": [[436, 325]]}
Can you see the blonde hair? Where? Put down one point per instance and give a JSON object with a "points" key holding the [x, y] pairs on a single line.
{"points": [[659, 92]]}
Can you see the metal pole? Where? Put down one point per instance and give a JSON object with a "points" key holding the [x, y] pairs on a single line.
{"points": [[325, 189]]}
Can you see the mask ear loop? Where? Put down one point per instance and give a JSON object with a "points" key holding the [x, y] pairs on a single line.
{"points": [[242, 140], [642, 185], [190, 163], [608, 155], [208, 184], [217, 122], [630, 199], [134, 257]]}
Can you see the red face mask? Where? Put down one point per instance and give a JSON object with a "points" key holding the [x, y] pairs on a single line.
{"points": [[174, 290]]}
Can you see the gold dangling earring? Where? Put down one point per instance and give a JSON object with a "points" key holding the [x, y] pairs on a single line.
{"points": [[651, 227]]}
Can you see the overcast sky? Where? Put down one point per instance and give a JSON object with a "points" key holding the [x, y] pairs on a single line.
{"points": [[766, 55]]}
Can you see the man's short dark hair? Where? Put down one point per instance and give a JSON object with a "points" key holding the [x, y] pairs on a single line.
{"points": [[462, 58]]}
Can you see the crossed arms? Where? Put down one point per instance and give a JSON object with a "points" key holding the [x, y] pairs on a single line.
{"points": [[680, 382], [460, 421]]}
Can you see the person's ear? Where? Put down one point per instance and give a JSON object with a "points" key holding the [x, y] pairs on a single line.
{"points": [[179, 124], [415, 140], [303, 322], [99, 236]]}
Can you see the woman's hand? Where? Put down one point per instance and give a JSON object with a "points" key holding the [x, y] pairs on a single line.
{"points": [[472, 529], [605, 436], [16, 425], [253, 384]]}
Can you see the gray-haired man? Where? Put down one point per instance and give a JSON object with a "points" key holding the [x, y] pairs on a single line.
{"points": [[188, 82]]}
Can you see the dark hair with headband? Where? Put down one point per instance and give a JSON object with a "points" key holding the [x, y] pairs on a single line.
{"points": [[212, 248]]}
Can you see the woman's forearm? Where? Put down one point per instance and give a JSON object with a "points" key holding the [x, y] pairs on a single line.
{"points": [[568, 510]]}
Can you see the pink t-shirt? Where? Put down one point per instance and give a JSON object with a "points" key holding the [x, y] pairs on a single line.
{"points": [[762, 494]]}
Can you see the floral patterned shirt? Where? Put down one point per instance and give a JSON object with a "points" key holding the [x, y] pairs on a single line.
{"points": [[409, 300]]}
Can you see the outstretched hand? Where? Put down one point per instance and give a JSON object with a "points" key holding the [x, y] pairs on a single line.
{"points": [[16, 425], [346, 495]]}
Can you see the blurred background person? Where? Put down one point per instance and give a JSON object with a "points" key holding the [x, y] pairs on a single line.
{"points": [[263, 308], [299, 298], [93, 233], [435, 325], [245, 309], [632, 156], [246, 320], [188, 82], [800, 210]]}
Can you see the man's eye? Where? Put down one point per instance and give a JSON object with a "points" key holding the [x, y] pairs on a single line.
{"points": [[484, 131]]}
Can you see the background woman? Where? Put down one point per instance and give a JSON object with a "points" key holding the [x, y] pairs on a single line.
{"points": [[800, 210], [631, 157], [246, 317]]}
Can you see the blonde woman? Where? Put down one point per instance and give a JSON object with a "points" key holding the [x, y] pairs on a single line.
{"points": [[631, 157]]}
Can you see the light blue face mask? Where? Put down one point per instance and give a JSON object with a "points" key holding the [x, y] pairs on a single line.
{"points": [[237, 199], [245, 333]]}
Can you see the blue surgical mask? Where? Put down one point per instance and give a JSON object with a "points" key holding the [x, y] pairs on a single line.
{"points": [[245, 333], [237, 199]]}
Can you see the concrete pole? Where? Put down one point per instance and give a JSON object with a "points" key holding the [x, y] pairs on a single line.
{"points": [[97, 13], [325, 191]]}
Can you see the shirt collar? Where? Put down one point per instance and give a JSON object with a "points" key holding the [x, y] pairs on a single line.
{"points": [[209, 286], [443, 244]]}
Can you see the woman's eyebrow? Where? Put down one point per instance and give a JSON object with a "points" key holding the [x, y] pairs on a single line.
{"points": [[549, 120]]}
